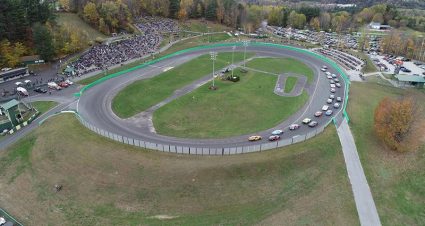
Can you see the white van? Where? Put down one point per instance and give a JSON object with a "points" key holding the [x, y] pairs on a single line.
{"points": [[325, 107]]}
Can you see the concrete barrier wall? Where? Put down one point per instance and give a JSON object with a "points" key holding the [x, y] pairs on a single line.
{"points": [[203, 151]]}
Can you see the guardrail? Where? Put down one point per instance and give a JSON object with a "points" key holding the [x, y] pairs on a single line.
{"points": [[192, 150]]}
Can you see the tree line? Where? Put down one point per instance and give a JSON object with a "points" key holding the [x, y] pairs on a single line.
{"points": [[29, 27]]}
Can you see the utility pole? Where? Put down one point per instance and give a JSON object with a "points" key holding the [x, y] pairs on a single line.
{"points": [[245, 44], [213, 58], [233, 53]]}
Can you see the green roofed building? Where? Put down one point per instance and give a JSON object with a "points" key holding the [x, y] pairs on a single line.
{"points": [[13, 113], [413, 80]]}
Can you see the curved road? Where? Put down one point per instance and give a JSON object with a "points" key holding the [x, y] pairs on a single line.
{"points": [[94, 105]]}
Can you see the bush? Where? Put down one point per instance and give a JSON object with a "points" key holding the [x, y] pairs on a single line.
{"points": [[398, 124]]}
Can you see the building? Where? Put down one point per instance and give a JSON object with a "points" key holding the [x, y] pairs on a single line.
{"points": [[379, 26], [411, 80], [13, 113]]}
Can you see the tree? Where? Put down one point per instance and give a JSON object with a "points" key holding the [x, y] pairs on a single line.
{"points": [[297, 20], [90, 14], [325, 21], [396, 124], [275, 16], [211, 11], [174, 8], [43, 42], [315, 23], [378, 18]]}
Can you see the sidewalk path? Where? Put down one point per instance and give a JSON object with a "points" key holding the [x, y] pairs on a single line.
{"points": [[362, 195]]}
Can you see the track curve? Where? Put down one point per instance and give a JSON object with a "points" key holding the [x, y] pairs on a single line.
{"points": [[94, 105]]}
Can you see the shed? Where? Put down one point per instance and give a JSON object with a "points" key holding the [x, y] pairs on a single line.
{"points": [[414, 80]]}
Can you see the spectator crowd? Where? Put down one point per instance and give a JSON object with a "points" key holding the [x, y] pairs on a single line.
{"points": [[103, 56]]}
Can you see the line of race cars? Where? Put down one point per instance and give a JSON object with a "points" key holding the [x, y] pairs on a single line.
{"points": [[334, 84]]}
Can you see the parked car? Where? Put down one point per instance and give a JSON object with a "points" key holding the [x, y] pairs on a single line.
{"points": [[331, 81], [69, 82], [337, 105], [333, 86], [277, 132], [323, 69], [328, 76], [325, 107], [333, 75], [306, 120], [40, 90], [338, 85], [22, 91], [53, 85], [339, 99], [318, 114], [294, 127], [333, 90], [312, 124], [329, 101], [63, 84], [328, 112], [254, 138], [274, 137], [332, 96], [336, 80]]}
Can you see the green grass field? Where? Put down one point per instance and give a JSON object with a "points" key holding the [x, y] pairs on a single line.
{"points": [[143, 94], [281, 65], [234, 109], [290, 84], [75, 21], [43, 106], [397, 180], [188, 43], [303, 184]]}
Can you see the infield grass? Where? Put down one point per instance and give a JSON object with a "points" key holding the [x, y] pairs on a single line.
{"points": [[397, 180], [290, 83], [145, 93], [281, 65], [108, 183], [237, 108]]}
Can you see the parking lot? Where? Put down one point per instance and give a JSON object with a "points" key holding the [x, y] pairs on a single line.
{"points": [[388, 63]]}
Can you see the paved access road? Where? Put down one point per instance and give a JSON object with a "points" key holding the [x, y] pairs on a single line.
{"points": [[362, 195], [95, 104]]}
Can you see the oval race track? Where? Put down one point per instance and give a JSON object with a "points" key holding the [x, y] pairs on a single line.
{"points": [[94, 105]]}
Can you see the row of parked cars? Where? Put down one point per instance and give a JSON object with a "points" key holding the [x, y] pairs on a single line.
{"points": [[332, 101]]}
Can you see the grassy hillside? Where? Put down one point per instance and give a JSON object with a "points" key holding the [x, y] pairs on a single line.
{"points": [[397, 180], [107, 183], [75, 21]]}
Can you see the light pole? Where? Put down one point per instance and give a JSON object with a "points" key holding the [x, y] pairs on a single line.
{"points": [[233, 53], [213, 58], [245, 44]]}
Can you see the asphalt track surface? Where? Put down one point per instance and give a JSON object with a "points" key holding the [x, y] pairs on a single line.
{"points": [[94, 105]]}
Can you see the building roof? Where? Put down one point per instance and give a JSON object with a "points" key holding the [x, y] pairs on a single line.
{"points": [[8, 105], [410, 78]]}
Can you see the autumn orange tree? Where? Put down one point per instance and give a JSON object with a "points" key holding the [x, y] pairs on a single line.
{"points": [[395, 123]]}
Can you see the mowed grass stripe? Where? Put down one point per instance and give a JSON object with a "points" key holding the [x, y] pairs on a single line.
{"points": [[290, 84], [145, 93], [234, 109], [281, 65]]}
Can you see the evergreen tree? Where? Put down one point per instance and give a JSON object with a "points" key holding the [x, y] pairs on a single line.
{"points": [[174, 8], [43, 42], [211, 12]]}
